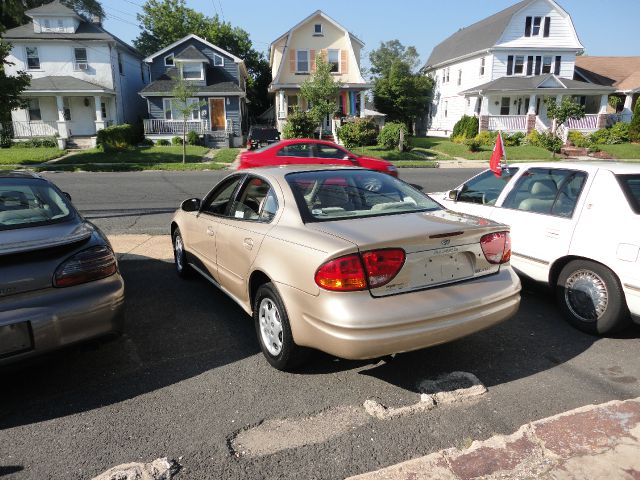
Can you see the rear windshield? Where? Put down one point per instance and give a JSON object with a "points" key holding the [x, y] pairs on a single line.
{"points": [[338, 194], [28, 202], [631, 186]]}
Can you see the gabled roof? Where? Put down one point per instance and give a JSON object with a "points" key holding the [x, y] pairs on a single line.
{"points": [[536, 82], [623, 73], [217, 82], [53, 8], [191, 53], [64, 83]]}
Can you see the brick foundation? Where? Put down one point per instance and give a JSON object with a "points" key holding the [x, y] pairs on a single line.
{"points": [[602, 121], [531, 123], [484, 123]]}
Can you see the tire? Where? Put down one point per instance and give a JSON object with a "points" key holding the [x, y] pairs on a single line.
{"points": [[591, 298], [180, 255], [274, 332]]}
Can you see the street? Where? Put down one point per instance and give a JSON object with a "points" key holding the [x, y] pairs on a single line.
{"points": [[187, 378]]}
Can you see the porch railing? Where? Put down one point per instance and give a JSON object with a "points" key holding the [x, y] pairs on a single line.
{"points": [[159, 126], [588, 123], [508, 123], [34, 129], [614, 118]]}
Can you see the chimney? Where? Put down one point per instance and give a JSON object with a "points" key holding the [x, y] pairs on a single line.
{"points": [[96, 20]]}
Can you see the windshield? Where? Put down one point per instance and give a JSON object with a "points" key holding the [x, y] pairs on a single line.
{"points": [[29, 202], [631, 186], [337, 194]]}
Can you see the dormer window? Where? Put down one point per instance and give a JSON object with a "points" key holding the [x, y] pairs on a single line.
{"points": [[60, 25], [218, 61], [33, 61], [168, 60], [192, 71], [317, 29], [47, 25], [534, 26], [302, 61]]}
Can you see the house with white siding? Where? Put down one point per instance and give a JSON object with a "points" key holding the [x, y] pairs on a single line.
{"points": [[82, 77], [219, 79], [503, 68]]}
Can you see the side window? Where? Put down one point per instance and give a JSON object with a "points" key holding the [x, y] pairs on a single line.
{"points": [[327, 151], [295, 150], [218, 200], [547, 191], [485, 188], [269, 207], [251, 200]]}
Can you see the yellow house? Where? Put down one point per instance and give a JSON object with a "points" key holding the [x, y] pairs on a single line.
{"points": [[292, 57]]}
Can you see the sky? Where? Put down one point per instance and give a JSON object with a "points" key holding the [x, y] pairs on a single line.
{"points": [[605, 27]]}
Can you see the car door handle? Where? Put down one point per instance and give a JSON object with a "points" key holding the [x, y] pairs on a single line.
{"points": [[248, 243], [210, 231], [552, 233]]}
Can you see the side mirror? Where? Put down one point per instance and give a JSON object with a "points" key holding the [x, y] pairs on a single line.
{"points": [[190, 205], [454, 194], [351, 158], [68, 195]]}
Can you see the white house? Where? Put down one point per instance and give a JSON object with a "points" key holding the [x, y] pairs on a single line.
{"points": [[502, 69], [82, 77]]}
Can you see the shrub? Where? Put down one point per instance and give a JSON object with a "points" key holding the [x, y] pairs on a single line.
{"points": [[360, 133], [634, 126], [550, 142], [619, 133], [299, 125], [117, 137], [486, 138], [147, 142], [578, 139], [458, 139], [465, 127], [473, 144], [389, 136], [163, 142], [176, 140], [513, 140], [193, 138], [36, 142]]}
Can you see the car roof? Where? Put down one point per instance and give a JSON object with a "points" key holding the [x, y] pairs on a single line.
{"points": [[281, 171], [20, 174], [588, 165], [292, 141]]}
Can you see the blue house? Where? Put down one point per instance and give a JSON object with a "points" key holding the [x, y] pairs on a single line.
{"points": [[220, 81]]}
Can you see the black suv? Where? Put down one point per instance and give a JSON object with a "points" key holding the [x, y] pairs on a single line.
{"points": [[261, 135]]}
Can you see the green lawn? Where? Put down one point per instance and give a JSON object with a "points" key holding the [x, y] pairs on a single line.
{"points": [[126, 167], [28, 156], [450, 149], [138, 155], [226, 155], [393, 155], [627, 151]]}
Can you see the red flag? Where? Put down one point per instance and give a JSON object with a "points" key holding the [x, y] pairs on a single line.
{"points": [[496, 156]]}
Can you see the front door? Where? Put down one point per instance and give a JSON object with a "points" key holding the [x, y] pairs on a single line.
{"points": [[217, 109]]}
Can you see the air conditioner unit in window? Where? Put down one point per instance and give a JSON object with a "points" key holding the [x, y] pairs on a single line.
{"points": [[82, 66]]}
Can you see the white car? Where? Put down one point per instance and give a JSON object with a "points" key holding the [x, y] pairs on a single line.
{"points": [[575, 226]]}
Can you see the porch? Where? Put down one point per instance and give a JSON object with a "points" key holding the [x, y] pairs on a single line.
{"points": [[156, 129]]}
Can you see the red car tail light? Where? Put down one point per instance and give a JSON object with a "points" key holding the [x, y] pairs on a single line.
{"points": [[86, 266], [496, 247], [383, 265], [347, 274]]}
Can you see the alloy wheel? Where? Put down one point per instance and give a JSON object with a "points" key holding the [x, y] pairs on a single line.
{"points": [[270, 326]]}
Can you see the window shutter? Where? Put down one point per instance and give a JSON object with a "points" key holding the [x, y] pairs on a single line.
{"points": [[538, 65], [312, 60], [344, 62], [547, 26], [530, 65], [292, 60], [527, 27], [510, 65], [558, 62]]}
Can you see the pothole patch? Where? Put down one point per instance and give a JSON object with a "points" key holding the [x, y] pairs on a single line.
{"points": [[159, 469], [273, 436]]}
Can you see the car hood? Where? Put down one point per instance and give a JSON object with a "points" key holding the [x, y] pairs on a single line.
{"points": [[20, 240]]}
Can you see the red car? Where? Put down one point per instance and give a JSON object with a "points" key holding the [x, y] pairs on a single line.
{"points": [[303, 151]]}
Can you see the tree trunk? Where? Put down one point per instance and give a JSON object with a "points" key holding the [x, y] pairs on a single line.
{"points": [[401, 141], [184, 141], [320, 134]]}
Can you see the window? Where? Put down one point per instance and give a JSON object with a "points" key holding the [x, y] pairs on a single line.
{"points": [[218, 200], [168, 60], [459, 77], [530, 65], [34, 109], [33, 61], [172, 108], [166, 107], [296, 150], [558, 65], [80, 55], [482, 65], [67, 108], [546, 64], [631, 187], [518, 68], [32, 203], [327, 151], [103, 109], [292, 103], [192, 71], [549, 191], [334, 60], [120, 66], [486, 187], [446, 73], [533, 26], [317, 29], [505, 105], [60, 25], [251, 199], [218, 61], [47, 24], [537, 21], [302, 63]]}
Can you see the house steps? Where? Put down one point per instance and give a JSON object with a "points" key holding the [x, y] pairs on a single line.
{"points": [[81, 143], [571, 151]]}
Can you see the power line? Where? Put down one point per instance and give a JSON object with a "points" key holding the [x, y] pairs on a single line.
{"points": [[221, 10]]}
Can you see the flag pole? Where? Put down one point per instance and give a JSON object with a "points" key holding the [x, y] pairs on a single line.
{"points": [[504, 152]]}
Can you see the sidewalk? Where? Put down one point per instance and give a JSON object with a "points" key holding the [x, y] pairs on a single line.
{"points": [[592, 442], [463, 164]]}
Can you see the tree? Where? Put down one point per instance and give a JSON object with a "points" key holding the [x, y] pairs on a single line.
{"points": [[166, 21], [389, 52], [13, 10], [322, 91], [560, 112], [11, 88], [182, 93], [634, 127]]}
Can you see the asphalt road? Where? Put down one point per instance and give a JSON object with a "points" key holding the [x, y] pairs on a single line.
{"points": [[187, 377]]}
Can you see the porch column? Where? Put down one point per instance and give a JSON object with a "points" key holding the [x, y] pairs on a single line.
{"points": [[484, 113], [531, 113], [362, 98], [602, 113], [628, 103], [100, 122], [63, 131]]}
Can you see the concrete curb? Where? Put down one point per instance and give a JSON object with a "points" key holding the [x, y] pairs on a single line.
{"points": [[142, 247], [596, 441]]}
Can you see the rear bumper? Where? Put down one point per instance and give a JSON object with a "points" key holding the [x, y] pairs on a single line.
{"points": [[355, 325], [58, 317]]}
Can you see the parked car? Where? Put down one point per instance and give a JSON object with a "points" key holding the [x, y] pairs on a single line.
{"points": [[575, 226], [303, 151], [345, 260], [260, 135], [59, 279]]}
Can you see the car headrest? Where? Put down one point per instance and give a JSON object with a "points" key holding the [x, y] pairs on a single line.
{"points": [[544, 187]]}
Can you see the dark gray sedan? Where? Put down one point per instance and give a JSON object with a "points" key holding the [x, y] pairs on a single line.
{"points": [[59, 278]]}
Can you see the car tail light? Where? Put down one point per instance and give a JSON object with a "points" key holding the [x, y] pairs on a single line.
{"points": [[358, 272], [496, 247], [383, 265], [86, 266]]}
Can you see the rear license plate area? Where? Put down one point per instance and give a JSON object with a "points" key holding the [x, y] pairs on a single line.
{"points": [[15, 338], [448, 267]]}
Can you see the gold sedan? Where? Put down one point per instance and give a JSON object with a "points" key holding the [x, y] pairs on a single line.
{"points": [[349, 261]]}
